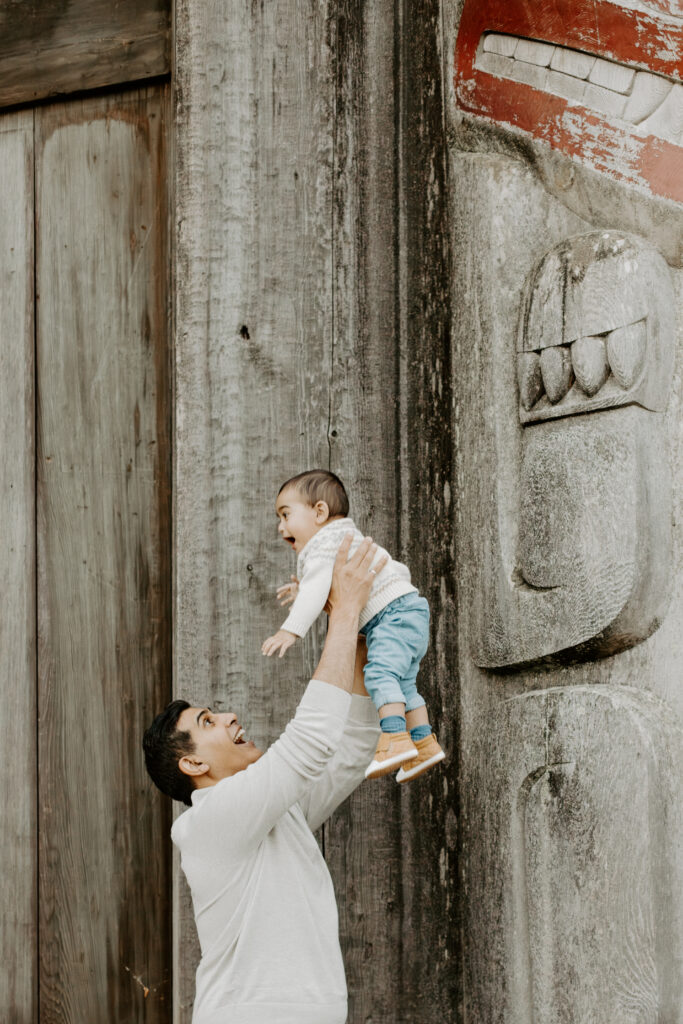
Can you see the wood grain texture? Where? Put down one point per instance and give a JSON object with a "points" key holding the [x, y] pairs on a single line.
{"points": [[61, 46], [288, 355], [505, 215], [431, 957], [103, 556], [19, 835], [290, 305], [576, 895], [254, 351], [362, 842]]}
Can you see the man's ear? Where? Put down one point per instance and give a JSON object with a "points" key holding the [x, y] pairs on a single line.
{"points": [[190, 767], [322, 511]]}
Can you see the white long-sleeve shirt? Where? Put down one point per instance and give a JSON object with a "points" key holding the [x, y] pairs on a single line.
{"points": [[263, 900], [314, 568]]}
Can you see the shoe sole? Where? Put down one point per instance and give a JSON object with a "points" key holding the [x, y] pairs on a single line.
{"points": [[376, 769], [412, 773]]}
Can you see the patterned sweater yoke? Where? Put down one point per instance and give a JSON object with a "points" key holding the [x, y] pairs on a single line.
{"points": [[314, 571]]}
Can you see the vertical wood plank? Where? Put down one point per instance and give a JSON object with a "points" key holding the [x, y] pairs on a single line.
{"points": [[18, 837], [430, 966], [362, 841], [103, 556], [307, 93], [254, 350]]}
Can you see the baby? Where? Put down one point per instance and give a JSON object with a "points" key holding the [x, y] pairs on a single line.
{"points": [[312, 509]]}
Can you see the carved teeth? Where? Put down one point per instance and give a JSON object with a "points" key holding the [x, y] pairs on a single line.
{"points": [[648, 92], [626, 352], [556, 369], [589, 359], [530, 379]]}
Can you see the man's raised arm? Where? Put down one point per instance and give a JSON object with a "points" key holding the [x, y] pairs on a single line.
{"points": [[257, 797], [351, 583]]}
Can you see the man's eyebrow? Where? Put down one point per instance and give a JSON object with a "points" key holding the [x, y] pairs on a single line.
{"points": [[204, 711]]}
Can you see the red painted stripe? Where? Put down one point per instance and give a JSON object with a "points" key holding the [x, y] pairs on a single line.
{"points": [[598, 27]]}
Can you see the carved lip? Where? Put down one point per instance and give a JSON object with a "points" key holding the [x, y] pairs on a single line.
{"points": [[615, 90], [632, 38]]}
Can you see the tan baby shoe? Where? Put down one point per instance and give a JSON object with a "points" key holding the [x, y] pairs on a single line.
{"points": [[393, 749], [428, 753]]}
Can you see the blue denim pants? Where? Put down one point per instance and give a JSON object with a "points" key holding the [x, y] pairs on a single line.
{"points": [[397, 639]]}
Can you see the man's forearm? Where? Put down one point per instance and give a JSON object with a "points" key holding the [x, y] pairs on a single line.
{"points": [[358, 673], [336, 665]]}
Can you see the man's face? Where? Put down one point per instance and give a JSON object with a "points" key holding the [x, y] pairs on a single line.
{"points": [[298, 521], [220, 747]]}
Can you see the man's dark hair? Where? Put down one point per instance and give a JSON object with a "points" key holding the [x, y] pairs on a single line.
{"points": [[164, 744], [320, 485]]}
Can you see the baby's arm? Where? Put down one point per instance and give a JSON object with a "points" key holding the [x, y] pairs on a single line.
{"points": [[314, 588], [280, 641]]}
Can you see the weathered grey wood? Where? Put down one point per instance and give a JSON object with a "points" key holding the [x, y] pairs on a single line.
{"points": [[254, 350], [18, 837], [363, 841], [103, 555], [578, 893], [51, 47], [311, 95], [431, 952], [530, 950]]}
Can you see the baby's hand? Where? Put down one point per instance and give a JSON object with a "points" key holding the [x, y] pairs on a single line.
{"points": [[288, 591], [280, 641]]}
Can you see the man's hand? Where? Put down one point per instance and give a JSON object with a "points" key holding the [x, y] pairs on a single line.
{"points": [[351, 583], [288, 591], [280, 641], [352, 579]]}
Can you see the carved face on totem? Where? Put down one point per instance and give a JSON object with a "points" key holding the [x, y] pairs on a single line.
{"points": [[594, 88]]}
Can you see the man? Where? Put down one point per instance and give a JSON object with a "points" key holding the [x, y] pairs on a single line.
{"points": [[263, 898]]}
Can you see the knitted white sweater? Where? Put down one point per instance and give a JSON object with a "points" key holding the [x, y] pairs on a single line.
{"points": [[314, 571], [263, 900]]}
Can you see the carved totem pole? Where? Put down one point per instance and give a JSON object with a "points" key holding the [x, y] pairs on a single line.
{"points": [[567, 171]]}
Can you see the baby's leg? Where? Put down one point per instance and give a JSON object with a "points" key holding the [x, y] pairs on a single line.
{"points": [[413, 624], [392, 648], [395, 648], [429, 752]]}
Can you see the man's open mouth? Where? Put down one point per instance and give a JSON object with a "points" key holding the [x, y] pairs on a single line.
{"points": [[239, 736]]}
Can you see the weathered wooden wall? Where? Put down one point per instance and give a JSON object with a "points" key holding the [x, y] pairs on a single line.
{"points": [[103, 495], [86, 560], [312, 323], [18, 847]]}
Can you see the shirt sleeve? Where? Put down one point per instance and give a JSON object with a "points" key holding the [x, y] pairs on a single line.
{"points": [[238, 812], [314, 589], [346, 769]]}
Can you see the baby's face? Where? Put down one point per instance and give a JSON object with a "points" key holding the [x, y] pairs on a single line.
{"points": [[297, 520]]}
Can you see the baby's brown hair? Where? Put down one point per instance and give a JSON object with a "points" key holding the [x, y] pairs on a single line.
{"points": [[320, 485]]}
